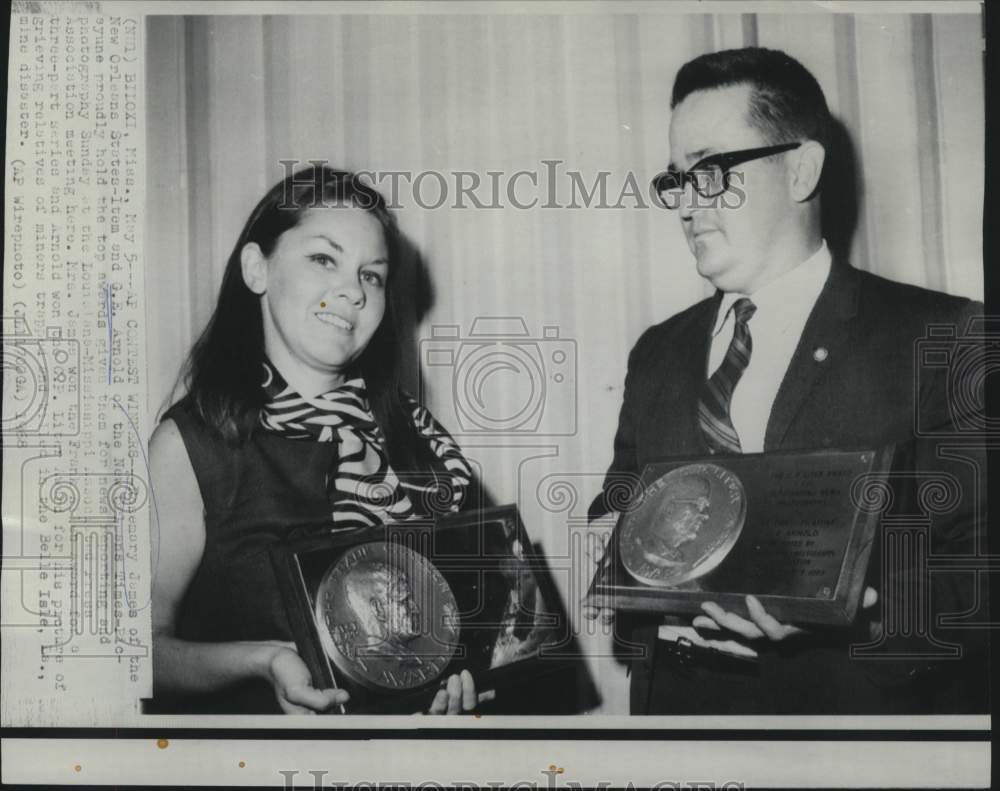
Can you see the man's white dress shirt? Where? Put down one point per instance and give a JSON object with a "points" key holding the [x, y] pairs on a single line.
{"points": [[783, 307]]}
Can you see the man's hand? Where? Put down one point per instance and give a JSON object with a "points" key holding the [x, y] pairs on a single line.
{"points": [[761, 625], [458, 695], [293, 685]]}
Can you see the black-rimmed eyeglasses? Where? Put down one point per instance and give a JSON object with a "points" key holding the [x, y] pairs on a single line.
{"points": [[709, 176]]}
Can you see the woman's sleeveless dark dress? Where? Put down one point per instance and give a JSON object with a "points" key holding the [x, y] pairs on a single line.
{"points": [[269, 489]]}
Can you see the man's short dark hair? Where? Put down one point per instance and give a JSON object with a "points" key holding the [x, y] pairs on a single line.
{"points": [[786, 102]]}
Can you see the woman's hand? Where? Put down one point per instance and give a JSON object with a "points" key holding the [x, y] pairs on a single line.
{"points": [[595, 549], [293, 685], [459, 695]]}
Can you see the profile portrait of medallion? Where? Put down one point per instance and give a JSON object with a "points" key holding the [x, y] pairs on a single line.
{"points": [[676, 522], [687, 522], [382, 601], [386, 617]]}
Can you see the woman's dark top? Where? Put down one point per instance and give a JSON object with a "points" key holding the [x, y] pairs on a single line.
{"points": [[255, 495]]}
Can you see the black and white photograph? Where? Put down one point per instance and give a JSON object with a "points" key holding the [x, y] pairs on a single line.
{"points": [[556, 370]]}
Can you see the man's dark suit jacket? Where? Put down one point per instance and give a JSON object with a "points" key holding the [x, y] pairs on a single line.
{"points": [[865, 392]]}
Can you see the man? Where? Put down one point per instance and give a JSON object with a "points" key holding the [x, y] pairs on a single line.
{"points": [[794, 351], [382, 602], [676, 523]]}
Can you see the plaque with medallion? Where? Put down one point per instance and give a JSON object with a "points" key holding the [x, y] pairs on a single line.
{"points": [[795, 529], [390, 613], [386, 617]]}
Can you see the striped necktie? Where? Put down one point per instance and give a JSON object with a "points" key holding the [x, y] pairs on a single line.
{"points": [[717, 395]]}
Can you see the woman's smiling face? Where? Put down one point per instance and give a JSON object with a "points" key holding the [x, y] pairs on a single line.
{"points": [[323, 293]]}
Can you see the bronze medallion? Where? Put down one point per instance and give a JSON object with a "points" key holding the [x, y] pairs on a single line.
{"points": [[386, 617], [685, 525]]}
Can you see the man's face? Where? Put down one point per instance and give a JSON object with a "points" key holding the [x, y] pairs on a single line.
{"points": [[683, 519], [691, 519], [731, 243], [402, 615]]}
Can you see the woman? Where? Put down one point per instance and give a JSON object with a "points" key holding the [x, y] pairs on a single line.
{"points": [[293, 405]]}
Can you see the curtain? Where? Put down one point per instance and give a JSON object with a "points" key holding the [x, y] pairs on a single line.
{"points": [[232, 96]]}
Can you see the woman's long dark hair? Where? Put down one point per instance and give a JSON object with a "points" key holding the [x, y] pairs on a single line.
{"points": [[223, 371]]}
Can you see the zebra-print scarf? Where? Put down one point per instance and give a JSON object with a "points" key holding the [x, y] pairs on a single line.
{"points": [[364, 490]]}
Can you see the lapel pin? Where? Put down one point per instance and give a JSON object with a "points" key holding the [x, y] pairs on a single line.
{"points": [[820, 354]]}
